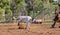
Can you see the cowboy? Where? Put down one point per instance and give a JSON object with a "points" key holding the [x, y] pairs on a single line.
{"points": [[57, 11]]}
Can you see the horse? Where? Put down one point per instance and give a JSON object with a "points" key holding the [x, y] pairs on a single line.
{"points": [[26, 19]]}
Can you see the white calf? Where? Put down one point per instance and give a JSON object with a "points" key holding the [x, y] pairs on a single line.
{"points": [[25, 19]]}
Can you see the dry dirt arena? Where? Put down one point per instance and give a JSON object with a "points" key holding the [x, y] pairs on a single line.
{"points": [[35, 29]]}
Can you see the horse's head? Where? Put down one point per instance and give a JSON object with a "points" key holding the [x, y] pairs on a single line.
{"points": [[33, 19], [14, 18]]}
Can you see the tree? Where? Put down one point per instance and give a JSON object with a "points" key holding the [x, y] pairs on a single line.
{"points": [[51, 1], [29, 6]]}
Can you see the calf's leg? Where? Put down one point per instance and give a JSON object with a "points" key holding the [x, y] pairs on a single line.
{"points": [[28, 25]]}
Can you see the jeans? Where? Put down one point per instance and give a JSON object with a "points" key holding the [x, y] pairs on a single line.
{"points": [[53, 25]]}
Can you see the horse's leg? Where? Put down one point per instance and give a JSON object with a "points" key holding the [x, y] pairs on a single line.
{"points": [[53, 25]]}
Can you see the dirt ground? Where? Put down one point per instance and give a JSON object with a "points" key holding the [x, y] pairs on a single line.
{"points": [[35, 29]]}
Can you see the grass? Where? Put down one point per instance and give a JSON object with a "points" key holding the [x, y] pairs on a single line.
{"points": [[48, 22]]}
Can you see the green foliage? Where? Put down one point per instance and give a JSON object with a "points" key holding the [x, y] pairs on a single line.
{"points": [[51, 1], [2, 13], [9, 12], [6, 7], [55, 3], [1, 4], [58, 1], [6, 1], [39, 7]]}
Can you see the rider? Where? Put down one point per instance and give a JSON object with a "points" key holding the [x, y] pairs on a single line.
{"points": [[56, 15]]}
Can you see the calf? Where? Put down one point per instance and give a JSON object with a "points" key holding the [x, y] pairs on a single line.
{"points": [[38, 21], [26, 19]]}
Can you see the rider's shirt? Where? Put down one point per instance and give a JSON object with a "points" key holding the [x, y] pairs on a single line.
{"points": [[57, 12]]}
